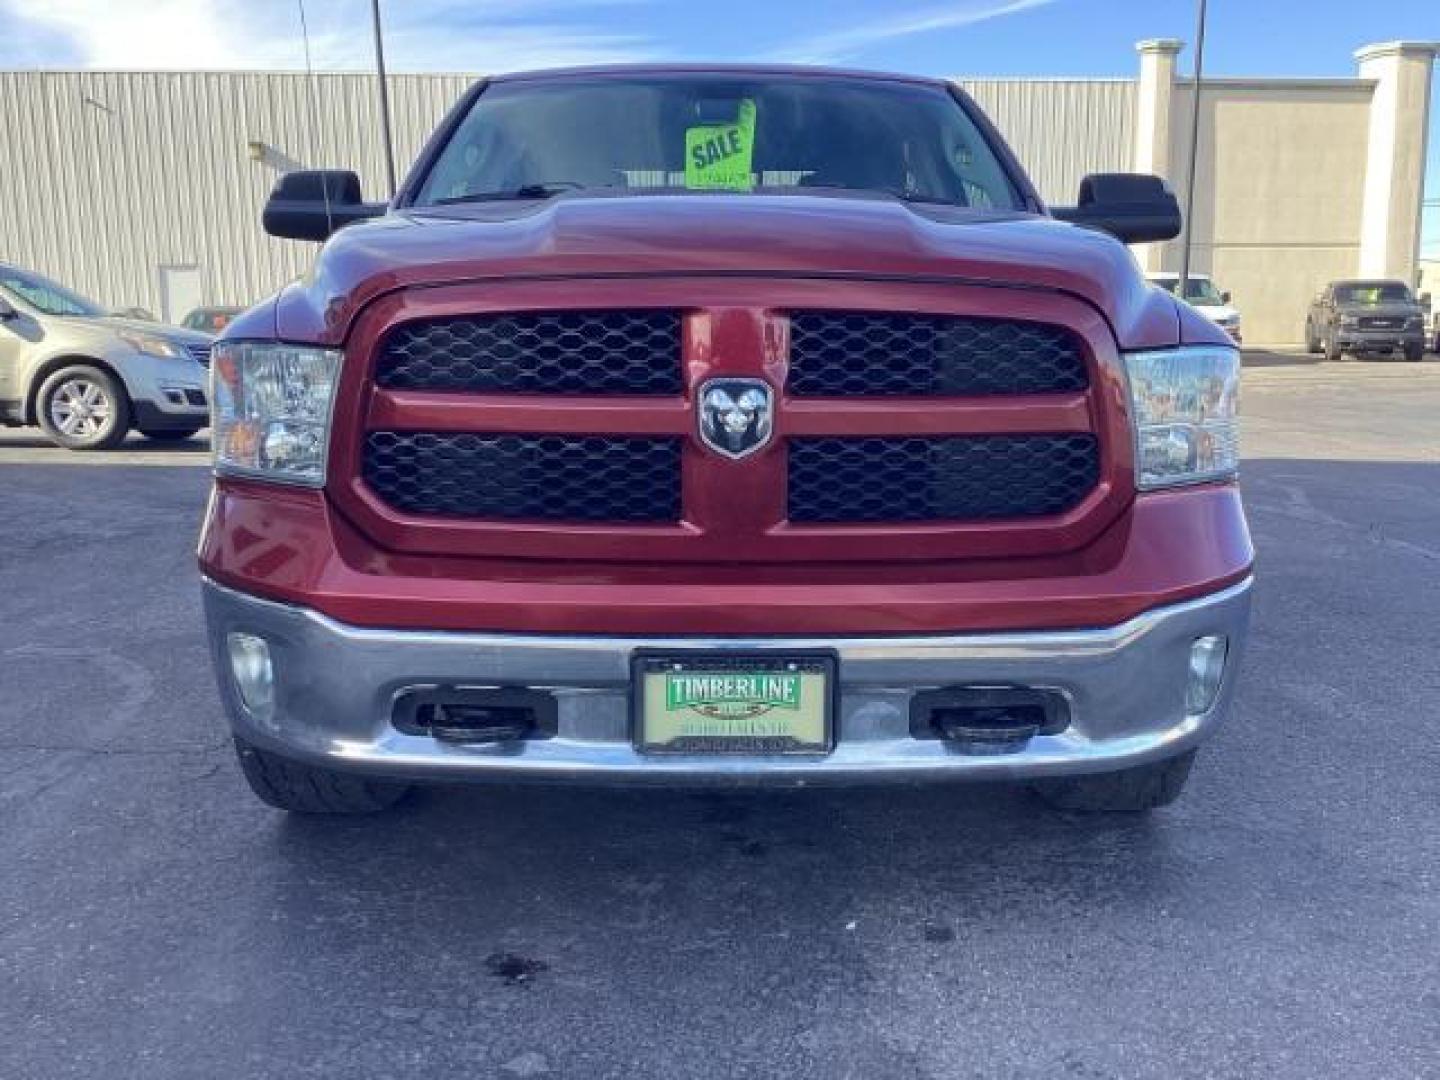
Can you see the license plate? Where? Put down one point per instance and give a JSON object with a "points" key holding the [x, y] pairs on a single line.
{"points": [[708, 703]]}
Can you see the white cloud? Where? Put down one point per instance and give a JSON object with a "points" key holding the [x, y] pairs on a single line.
{"points": [[837, 45], [475, 36]]}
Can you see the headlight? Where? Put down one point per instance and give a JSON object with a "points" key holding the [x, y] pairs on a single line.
{"points": [[1183, 405], [151, 345], [1350, 322], [270, 410]]}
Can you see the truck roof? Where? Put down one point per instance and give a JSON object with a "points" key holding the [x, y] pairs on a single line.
{"points": [[786, 70]]}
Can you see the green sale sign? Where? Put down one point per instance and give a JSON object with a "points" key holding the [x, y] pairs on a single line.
{"points": [[718, 156]]}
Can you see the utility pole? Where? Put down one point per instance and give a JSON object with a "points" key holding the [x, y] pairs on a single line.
{"points": [[1194, 150], [384, 97]]}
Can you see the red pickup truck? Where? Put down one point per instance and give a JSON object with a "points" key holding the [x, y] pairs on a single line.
{"points": [[720, 425]]}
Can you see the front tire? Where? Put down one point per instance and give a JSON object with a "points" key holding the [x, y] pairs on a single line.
{"points": [[83, 408], [1312, 343], [1130, 791], [1415, 353], [304, 789], [1332, 349]]}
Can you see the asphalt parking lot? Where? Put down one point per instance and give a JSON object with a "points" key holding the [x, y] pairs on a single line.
{"points": [[1279, 921]]}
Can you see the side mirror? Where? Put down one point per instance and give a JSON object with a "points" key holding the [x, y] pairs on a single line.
{"points": [[1132, 207], [7, 310], [1225, 297], [313, 204]]}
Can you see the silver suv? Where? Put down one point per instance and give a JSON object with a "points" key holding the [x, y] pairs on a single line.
{"points": [[86, 377]]}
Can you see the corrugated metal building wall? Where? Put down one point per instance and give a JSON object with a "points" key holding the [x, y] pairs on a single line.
{"points": [[106, 178], [1062, 129]]}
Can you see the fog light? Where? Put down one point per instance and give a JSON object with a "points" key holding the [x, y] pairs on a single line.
{"points": [[1207, 669], [254, 674]]}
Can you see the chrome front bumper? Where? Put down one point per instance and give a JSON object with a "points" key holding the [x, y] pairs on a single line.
{"points": [[336, 687]]}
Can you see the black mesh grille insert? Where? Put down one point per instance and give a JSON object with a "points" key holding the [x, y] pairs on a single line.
{"points": [[939, 479], [542, 477], [845, 353], [580, 352]]}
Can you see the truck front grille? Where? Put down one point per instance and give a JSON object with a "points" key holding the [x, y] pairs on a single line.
{"points": [[526, 477], [909, 425], [840, 354], [578, 352], [961, 478]]}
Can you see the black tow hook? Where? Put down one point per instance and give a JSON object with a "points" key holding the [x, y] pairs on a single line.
{"points": [[986, 730]]}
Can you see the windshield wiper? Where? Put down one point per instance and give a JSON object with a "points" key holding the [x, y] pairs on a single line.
{"points": [[546, 190], [894, 193], [929, 200]]}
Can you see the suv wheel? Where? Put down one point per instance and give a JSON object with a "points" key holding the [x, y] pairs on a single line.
{"points": [[1332, 349], [83, 408], [1416, 352], [304, 789], [1130, 791], [1312, 343]]}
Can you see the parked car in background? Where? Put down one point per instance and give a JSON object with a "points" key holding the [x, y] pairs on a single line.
{"points": [[1204, 297], [723, 426], [1366, 318], [86, 377], [210, 320]]}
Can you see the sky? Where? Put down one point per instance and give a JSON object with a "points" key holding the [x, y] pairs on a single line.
{"points": [[935, 37]]}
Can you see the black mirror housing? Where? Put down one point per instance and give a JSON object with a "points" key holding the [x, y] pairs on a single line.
{"points": [[1225, 297], [312, 204], [1132, 207]]}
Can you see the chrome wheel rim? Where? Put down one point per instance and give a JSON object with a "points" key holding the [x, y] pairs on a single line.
{"points": [[80, 408]]}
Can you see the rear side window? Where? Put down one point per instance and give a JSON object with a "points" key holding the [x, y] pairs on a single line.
{"points": [[749, 134]]}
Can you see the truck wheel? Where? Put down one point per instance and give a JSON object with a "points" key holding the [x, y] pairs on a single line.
{"points": [[83, 408], [1332, 349], [1415, 353], [1312, 343], [1130, 791], [305, 789]]}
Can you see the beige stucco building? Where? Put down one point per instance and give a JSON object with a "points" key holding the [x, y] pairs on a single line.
{"points": [[145, 188], [1297, 182]]}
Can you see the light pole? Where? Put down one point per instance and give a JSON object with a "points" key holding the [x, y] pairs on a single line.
{"points": [[1194, 150], [384, 97]]}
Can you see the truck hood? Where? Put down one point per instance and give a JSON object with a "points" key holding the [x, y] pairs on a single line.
{"points": [[675, 235]]}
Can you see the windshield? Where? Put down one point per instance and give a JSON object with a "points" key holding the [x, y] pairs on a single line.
{"points": [[718, 133], [47, 296], [1197, 290], [1372, 294]]}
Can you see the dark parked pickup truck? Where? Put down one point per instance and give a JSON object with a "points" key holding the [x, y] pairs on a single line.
{"points": [[1366, 318], [726, 426]]}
